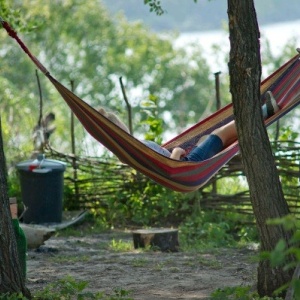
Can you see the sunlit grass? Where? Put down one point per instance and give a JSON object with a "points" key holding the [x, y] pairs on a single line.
{"points": [[120, 246]]}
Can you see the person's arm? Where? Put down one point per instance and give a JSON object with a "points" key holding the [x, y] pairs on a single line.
{"points": [[177, 153]]}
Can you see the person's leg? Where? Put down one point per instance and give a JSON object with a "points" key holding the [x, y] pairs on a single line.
{"points": [[228, 134], [222, 137], [206, 149]]}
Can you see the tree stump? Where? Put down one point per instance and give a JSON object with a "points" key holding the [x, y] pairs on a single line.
{"points": [[163, 239]]}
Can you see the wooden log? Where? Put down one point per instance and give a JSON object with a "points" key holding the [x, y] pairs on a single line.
{"points": [[166, 240], [36, 235]]}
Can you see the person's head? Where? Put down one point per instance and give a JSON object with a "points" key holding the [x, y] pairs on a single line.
{"points": [[113, 118]]}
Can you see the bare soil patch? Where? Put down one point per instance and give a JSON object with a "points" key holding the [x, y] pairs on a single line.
{"points": [[148, 275]]}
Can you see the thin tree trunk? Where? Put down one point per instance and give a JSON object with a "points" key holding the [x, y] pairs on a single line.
{"points": [[265, 188], [11, 278]]}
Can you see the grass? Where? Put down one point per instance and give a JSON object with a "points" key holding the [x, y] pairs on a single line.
{"points": [[120, 246], [139, 262], [209, 262]]}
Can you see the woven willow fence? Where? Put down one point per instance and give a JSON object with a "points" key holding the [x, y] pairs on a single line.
{"points": [[287, 158], [90, 182]]}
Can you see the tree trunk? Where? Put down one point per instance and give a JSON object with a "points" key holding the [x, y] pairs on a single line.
{"points": [[259, 165], [11, 278]]}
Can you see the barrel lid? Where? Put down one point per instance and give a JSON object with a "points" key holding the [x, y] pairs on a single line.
{"points": [[41, 163]]}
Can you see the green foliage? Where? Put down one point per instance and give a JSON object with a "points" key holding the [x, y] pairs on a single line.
{"points": [[155, 6], [213, 229], [246, 233], [142, 201], [288, 134], [152, 121], [120, 246], [271, 61], [280, 256], [69, 289], [14, 186], [231, 185], [150, 204], [79, 41], [15, 18], [238, 293], [14, 296]]}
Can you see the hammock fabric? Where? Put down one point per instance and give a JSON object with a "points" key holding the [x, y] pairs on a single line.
{"points": [[176, 175]]}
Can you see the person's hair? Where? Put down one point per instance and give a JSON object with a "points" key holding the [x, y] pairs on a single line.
{"points": [[113, 118]]}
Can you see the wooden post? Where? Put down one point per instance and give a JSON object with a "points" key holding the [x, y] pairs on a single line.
{"points": [[74, 162], [217, 84], [218, 106]]}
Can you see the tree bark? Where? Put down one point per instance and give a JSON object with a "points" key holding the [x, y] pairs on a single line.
{"points": [[265, 188], [11, 278]]}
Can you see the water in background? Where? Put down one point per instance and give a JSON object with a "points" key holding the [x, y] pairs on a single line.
{"points": [[277, 35]]}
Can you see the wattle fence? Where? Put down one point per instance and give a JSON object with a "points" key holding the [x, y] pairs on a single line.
{"points": [[92, 182]]}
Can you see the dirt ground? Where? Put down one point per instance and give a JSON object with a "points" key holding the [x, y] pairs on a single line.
{"points": [[148, 275]]}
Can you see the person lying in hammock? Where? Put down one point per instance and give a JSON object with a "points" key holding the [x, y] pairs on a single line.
{"points": [[215, 142]]}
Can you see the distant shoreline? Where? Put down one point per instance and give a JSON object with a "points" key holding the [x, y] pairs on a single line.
{"points": [[277, 34]]}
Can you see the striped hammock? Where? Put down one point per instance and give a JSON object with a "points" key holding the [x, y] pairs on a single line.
{"points": [[176, 175]]}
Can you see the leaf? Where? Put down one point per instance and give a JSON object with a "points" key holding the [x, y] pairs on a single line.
{"points": [[296, 286], [277, 256]]}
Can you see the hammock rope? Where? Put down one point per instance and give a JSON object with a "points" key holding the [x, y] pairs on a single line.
{"points": [[176, 175]]}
